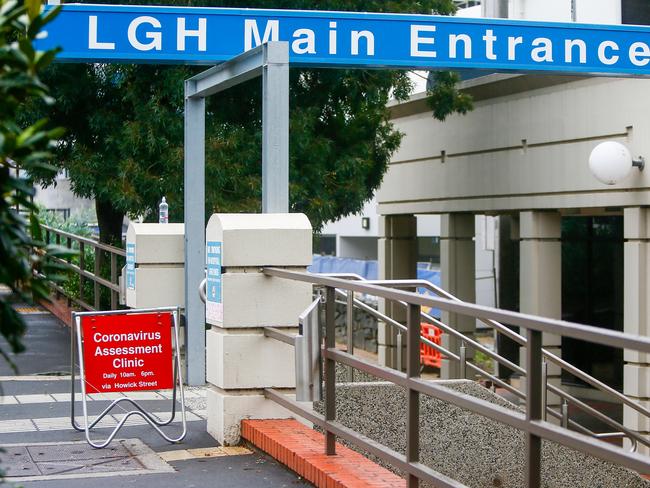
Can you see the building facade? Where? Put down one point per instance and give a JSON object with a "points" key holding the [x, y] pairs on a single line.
{"points": [[570, 247]]}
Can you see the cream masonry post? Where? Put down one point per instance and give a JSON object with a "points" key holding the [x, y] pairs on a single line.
{"points": [[240, 302]]}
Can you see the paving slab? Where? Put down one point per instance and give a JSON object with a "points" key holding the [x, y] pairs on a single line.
{"points": [[77, 459]]}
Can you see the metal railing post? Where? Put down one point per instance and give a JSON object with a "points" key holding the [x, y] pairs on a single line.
{"points": [[533, 407], [330, 368], [82, 267], [413, 399], [463, 362], [399, 342], [69, 260], [97, 271], [544, 388], [115, 281], [57, 239], [350, 321], [565, 414]]}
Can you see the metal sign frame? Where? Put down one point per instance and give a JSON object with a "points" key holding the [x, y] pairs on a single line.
{"points": [[271, 62], [76, 345]]}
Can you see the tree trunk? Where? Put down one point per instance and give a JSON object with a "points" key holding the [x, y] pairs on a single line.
{"points": [[110, 223]]}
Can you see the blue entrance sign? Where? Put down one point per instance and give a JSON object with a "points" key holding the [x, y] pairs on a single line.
{"points": [[210, 35]]}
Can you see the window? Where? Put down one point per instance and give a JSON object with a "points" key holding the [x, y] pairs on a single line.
{"points": [[64, 212], [325, 245], [635, 12], [466, 3]]}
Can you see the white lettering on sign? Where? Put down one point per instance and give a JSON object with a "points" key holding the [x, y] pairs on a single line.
{"points": [[504, 46], [602, 52], [639, 50], [453, 45], [116, 351], [156, 37], [513, 42], [127, 363], [305, 42], [543, 52], [93, 43], [252, 33], [489, 39], [416, 41], [182, 33], [332, 38], [569, 44], [356, 36], [130, 336]]}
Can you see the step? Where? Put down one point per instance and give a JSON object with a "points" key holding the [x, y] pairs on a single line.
{"points": [[302, 450]]}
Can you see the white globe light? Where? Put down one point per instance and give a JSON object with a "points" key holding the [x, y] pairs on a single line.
{"points": [[610, 162]]}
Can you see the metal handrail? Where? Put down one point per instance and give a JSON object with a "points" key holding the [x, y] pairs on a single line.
{"points": [[531, 422], [633, 436], [112, 284], [445, 352], [86, 240], [497, 381], [521, 340]]}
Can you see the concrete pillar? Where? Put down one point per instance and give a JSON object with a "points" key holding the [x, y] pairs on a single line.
{"points": [[458, 275], [398, 254], [636, 382], [241, 301], [540, 279]]}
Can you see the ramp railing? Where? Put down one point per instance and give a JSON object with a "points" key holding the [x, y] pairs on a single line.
{"points": [[532, 423], [103, 259], [561, 412]]}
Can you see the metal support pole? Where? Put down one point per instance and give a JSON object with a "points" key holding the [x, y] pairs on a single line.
{"points": [[330, 368], [194, 199], [533, 407], [350, 331], [565, 414], [574, 11], [271, 61], [462, 373], [544, 388], [413, 401], [399, 343], [275, 129]]}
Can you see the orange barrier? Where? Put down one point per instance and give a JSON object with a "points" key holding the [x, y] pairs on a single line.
{"points": [[428, 355]]}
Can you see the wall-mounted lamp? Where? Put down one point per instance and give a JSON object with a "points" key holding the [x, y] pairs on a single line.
{"points": [[365, 223], [611, 162]]}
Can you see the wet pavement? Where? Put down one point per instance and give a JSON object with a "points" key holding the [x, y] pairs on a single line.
{"points": [[41, 447]]}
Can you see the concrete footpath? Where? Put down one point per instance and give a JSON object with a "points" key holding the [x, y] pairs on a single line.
{"points": [[41, 447]]}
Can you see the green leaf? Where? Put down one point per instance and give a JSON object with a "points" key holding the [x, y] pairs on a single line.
{"points": [[33, 8]]}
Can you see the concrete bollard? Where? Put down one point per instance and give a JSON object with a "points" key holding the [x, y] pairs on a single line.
{"points": [[240, 302]]}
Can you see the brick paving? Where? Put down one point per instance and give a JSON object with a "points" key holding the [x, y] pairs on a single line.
{"points": [[302, 450]]}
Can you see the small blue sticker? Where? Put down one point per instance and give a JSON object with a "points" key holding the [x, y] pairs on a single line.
{"points": [[130, 266], [213, 254]]}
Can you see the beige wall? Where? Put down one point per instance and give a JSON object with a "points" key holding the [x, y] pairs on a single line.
{"points": [[520, 148]]}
